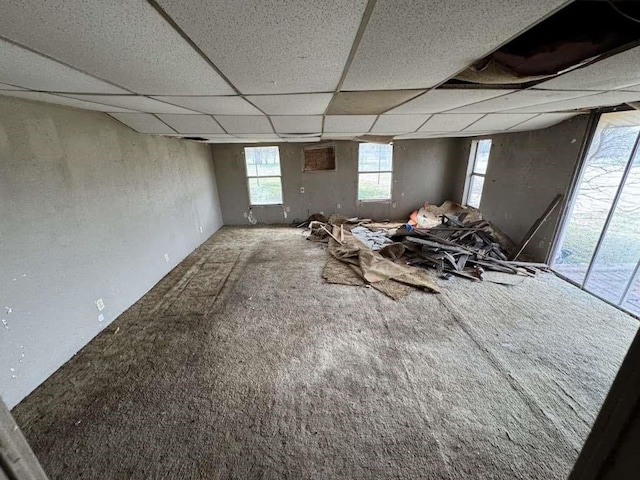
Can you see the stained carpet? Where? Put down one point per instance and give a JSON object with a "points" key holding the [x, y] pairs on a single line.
{"points": [[243, 363]]}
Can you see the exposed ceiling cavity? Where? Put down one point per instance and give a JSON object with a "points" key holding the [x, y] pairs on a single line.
{"points": [[305, 70], [581, 33]]}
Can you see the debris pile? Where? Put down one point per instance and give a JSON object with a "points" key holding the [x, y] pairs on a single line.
{"points": [[394, 257]]}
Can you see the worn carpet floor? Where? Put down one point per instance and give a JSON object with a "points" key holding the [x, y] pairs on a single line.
{"points": [[243, 364]]}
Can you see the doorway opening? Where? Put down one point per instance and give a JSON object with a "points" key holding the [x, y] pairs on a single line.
{"points": [[598, 247]]}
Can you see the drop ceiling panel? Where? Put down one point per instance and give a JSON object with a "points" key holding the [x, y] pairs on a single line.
{"points": [[348, 123], [369, 103], [133, 102], [545, 120], [390, 124], [271, 46], [524, 98], [125, 42], [66, 101], [616, 72], [592, 101], [191, 123], [9, 87], [142, 122], [449, 122], [435, 101], [418, 44], [245, 123], [499, 121], [30, 70], [229, 105], [297, 123], [297, 104]]}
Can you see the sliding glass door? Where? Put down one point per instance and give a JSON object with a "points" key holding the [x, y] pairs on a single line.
{"points": [[599, 245]]}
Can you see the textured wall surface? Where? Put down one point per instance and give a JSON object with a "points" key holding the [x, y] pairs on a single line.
{"points": [[88, 210], [526, 171], [423, 171]]}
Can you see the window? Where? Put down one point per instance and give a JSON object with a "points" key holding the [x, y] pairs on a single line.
{"points": [[478, 161], [263, 175], [375, 165]]}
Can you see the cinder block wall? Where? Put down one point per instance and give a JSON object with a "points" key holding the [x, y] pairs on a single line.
{"points": [[423, 171], [526, 170], [88, 210]]}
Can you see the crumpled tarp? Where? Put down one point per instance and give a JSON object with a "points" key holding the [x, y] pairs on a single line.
{"points": [[373, 267]]}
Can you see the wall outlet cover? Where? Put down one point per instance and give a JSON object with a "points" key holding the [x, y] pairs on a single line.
{"points": [[201, 229], [99, 304], [301, 189], [338, 206], [166, 257], [244, 214]]}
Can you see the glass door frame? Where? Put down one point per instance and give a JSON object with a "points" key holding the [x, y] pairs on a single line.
{"points": [[563, 221]]}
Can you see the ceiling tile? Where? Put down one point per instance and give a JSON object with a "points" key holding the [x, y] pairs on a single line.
{"points": [[142, 122], [297, 123], [245, 123], [126, 42], [191, 123], [30, 70], [229, 105], [296, 104], [440, 100], [348, 123], [271, 46], [449, 122], [499, 121], [618, 71], [301, 140], [9, 87], [390, 124], [592, 101], [133, 102], [418, 44], [370, 102], [66, 101], [544, 120], [524, 98]]}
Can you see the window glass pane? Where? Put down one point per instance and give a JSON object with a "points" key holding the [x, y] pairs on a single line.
{"points": [[262, 161], [374, 186], [373, 157], [475, 191], [619, 252], [604, 165], [265, 191], [482, 156]]}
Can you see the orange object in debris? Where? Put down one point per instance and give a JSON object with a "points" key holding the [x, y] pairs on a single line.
{"points": [[413, 219]]}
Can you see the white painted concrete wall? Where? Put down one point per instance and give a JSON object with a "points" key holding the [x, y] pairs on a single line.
{"points": [[88, 209]]}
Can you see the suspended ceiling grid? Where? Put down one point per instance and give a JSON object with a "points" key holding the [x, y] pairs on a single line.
{"points": [[295, 70]]}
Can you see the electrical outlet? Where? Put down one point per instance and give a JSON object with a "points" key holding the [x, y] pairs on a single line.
{"points": [[99, 304], [338, 206], [244, 214], [201, 229], [166, 257], [101, 318], [301, 189], [393, 205]]}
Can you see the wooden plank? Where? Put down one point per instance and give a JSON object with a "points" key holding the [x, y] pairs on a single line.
{"points": [[538, 223]]}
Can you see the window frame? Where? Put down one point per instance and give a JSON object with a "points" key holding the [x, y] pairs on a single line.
{"points": [[379, 200], [471, 170], [249, 177]]}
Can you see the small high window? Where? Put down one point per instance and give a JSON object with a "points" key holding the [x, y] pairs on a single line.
{"points": [[478, 162], [375, 167], [263, 175]]}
